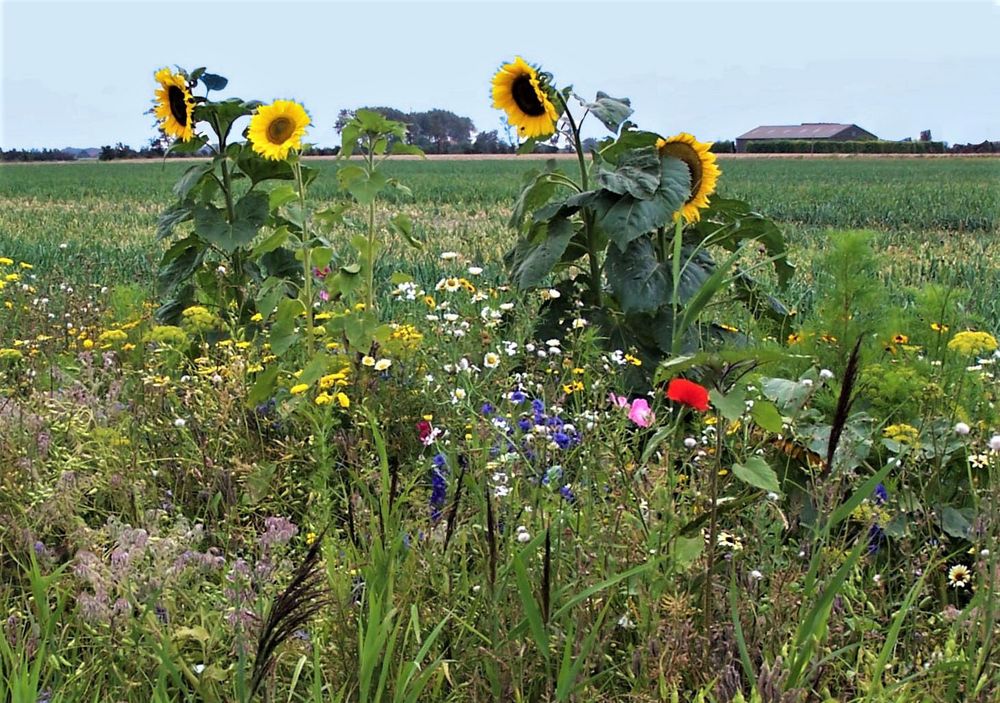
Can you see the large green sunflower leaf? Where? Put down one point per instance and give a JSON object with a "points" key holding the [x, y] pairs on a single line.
{"points": [[728, 223], [178, 264], [259, 169], [171, 217], [534, 256], [626, 217], [638, 280], [250, 214], [612, 112], [536, 191], [637, 174], [191, 178]]}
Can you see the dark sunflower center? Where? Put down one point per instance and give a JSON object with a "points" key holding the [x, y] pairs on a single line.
{"points": [[689, 156], [178, 106], [526, 98], [279, 130]]}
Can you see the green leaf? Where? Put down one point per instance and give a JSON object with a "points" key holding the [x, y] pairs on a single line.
{"points": [[758, 474], [401, 149], [363, 186], [685, 551], [727, 222], [766, 416], [178, 264], [316, 368], [403, 226], [250, 214], [271, 291], [787, 394], [638, 280], [282, 195], [611, 149], [223, 114], [272, 242], [263, 387], [191, 146], [637, 174], [191, 178], [536, 190], [258, 169], [612, 112], [171, 217], [534, 256], [214, 81], [954, 522], [732, 405], [283, 334], [348, 140], [626, 217]]}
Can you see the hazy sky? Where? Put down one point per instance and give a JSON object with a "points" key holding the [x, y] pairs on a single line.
{"points": [[80, 73]]}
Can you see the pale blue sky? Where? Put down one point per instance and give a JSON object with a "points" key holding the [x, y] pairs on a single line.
{"points": [[80, 73]]}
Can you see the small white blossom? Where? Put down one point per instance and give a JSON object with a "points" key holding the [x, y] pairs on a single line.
{"points": [[961, 428], [180, 422], [825, 374]]}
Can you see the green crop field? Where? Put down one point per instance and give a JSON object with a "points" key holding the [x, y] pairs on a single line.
{"points": [[937, 219]]}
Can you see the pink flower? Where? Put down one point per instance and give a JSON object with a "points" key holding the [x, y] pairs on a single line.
{"points": [[619, 400], [640, 413]]}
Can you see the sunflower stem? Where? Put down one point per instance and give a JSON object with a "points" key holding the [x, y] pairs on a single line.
{"points": [[370, 293], [588, 226], [307, 292]]}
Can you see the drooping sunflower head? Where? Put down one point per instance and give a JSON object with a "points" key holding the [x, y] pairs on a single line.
{"points": [[702, 167], [174, 105], [277, 128], [518, 91]]}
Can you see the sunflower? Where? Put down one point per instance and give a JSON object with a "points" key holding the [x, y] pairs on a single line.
{"points": [[277, 128], [701, 164], [174, 105], [518, 92]]}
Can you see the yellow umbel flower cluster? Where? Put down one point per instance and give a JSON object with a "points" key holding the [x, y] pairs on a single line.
{"points": [[973, 343]]}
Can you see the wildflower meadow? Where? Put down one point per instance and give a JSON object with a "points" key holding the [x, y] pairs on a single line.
{"points": [[642, 424]]}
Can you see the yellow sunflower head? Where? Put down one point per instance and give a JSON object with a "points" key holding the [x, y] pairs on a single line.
{"points": [[518, 91], [174, 105], [277, 128], [702, 167]]}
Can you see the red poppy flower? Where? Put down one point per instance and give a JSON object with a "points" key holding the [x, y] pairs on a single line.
{"points": [[688, 393]]}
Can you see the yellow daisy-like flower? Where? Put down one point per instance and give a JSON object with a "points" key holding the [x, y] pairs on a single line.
{"points": [[699, 159], [299, 388], [518, 92], [174, 105], [277, 128]]}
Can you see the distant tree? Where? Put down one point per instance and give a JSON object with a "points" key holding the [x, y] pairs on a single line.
{"points": [[925, 136], [434, 131], [489, 143]]}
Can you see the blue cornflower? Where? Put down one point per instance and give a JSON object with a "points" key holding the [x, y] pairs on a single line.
{"points": [[487, 409], [439, 460], [439, 491], [524, 423], [567, 493], [876, 535], [538, 406], [555, 421], [517, 397], [881, 495], [562, 439]]}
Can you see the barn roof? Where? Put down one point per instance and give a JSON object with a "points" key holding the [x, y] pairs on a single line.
{"points": [[806, 130]]}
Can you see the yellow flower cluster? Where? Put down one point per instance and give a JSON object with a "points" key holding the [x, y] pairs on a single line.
{"points": [[973, 343], [406, 337], [167, 335], [10, 354], [198, 319], [902, 433]]}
